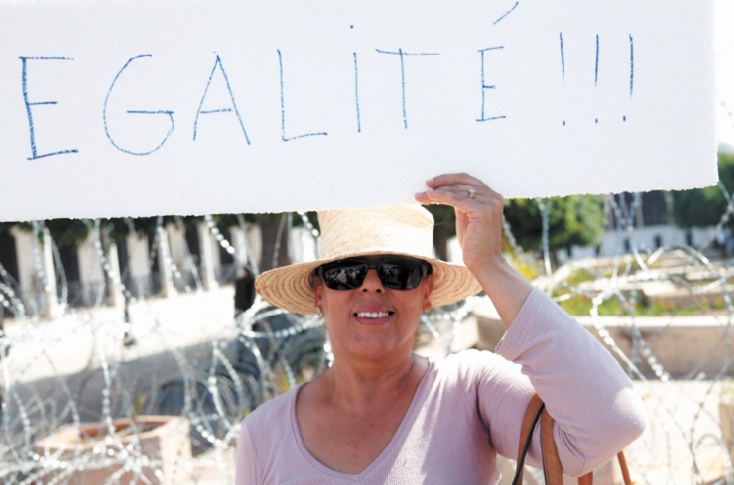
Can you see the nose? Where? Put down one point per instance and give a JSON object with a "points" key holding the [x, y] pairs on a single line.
{"points": [[372, 283]]}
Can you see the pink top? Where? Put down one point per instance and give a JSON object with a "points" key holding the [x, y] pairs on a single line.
{"points": [[469, 407]]}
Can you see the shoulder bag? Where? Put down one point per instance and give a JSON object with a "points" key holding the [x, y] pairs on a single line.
{"points": [[552, 469]]}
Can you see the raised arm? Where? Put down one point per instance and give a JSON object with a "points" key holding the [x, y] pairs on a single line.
{"points": [[596, 408], [478, 211]]}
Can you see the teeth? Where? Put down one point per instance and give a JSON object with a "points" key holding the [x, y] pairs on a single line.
{"points": [[373, 314]]}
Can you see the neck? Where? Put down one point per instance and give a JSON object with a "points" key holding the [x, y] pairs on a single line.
{"points": [[360, 385]]}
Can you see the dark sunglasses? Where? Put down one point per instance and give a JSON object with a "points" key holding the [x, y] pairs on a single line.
{"points": [[395, 272]]}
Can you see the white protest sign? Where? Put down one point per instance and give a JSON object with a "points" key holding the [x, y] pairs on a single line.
{"points": [[133, 108]]}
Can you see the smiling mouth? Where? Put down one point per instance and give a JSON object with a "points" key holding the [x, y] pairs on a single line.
{"points": [[374, 314]]}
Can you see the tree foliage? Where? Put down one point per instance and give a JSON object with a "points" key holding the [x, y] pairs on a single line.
{"points": [[73, 232], [444, 228], [704, 207], [572, 220], [65, 232]]}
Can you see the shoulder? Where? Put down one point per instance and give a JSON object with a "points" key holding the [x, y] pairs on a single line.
{"points": [[261, 439], [271, 449], [276, 414], [471, 370], [472, 363]]}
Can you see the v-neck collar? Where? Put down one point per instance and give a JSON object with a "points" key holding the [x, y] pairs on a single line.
{"points": [[397, 438]]}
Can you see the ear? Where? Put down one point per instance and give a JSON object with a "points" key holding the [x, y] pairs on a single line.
{"points": [[317, 296], [427, 291]]}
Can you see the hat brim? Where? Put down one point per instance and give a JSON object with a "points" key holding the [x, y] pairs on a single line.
{"points": [[288, 287]]}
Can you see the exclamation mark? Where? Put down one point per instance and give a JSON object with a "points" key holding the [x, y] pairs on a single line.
{"points": [[563, 66], [596, 69], [356, 90], [632, 71]]}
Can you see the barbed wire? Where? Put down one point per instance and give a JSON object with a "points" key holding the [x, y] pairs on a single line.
{"points": [[192, 360]]}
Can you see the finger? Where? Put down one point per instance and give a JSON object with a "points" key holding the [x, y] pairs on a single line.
{"points": [[431, 197], [457, 189], [481, 194], [471, 191], [454, 178], [471, 184], [423, 198], [458, 198]]}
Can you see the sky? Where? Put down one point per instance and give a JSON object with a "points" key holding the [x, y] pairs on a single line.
{"points": [[724, 58]]}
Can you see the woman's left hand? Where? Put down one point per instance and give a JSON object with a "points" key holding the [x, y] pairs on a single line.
{"points": [[478, 211]]}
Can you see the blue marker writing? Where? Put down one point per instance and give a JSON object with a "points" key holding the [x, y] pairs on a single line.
{"points": [[506, 14], [282, 108], [401, 55], [169, 114], [632, 65], [563, 60], [218, 64], [483, 117], [28, 104], [356, 89], [596, 63], [356, 94]]}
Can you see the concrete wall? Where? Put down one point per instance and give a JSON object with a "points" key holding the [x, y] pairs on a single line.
{"points": [[91, 276], [686, 347], [178, 247], [301, 245], [36, 274], [26, 265], [613, 242], [138, 264], [246, 243]]}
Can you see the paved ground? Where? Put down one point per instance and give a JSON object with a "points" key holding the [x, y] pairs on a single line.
{"points": [[682, 443]]}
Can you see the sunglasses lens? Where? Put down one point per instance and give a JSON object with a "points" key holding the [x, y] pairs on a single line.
{"points": [[400, 275], [396, 274], [345, 276]]}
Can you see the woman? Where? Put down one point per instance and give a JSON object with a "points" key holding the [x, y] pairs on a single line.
{"points": [[381, 414]]}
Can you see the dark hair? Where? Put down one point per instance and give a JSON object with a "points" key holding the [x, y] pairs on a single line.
{"points": [[314, 280]]}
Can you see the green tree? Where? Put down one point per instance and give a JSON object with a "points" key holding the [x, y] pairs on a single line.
{"points": [[73, 232], [5, 226], [704, 207], [65, 232], [68, 232], [575, 220], [444, 228]]}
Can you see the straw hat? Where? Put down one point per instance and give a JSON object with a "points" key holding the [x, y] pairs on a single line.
{"points": [[403, 230]]}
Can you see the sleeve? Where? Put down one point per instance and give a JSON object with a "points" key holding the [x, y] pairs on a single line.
{"points": [[596, 408], [246, 460]]}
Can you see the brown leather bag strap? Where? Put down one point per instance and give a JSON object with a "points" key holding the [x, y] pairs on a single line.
{"points": [[552, 469], [531, 418], [588, 479], [625, 470]]}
